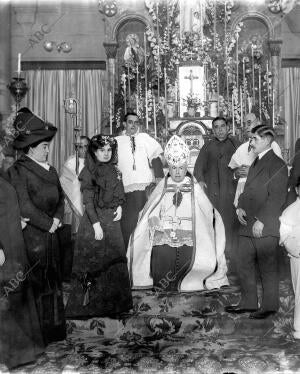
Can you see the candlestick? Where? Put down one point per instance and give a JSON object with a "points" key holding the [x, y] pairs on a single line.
{"points": [[218, 88], [125, 92], [19, 63], [253, 79], [180, 20], [268, 85], [137, 89], [129, 93], [225, 29], [146, 81], [233, 125], [242, 107], [259, 91], [158, 51], [168, 26], [201, 24], [237, 62], [226, 60], [273, 108], [154, 117], [244, 86], [166, 99], [215, 23], [110, 112]]}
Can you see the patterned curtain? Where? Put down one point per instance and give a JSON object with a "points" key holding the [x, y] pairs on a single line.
{"points": [[49, 89], [291, 96]]}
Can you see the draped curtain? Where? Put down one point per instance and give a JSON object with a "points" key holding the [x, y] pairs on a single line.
{"points": [[49, 89], [291, 93]]}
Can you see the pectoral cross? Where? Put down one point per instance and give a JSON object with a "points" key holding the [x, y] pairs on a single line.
{"points": [[191, 78]]}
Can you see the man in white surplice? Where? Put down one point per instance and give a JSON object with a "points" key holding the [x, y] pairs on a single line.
{"points": [[179, 241]]}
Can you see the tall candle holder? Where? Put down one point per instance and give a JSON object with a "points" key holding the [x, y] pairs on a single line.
{"points": [[72, 107]]}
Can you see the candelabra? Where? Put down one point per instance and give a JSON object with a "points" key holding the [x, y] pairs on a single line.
{"points": [[72, 107]]}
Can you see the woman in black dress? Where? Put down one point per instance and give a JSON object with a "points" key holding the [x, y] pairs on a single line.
{"points": [[41, 201], [100, 285], [21, 339]]}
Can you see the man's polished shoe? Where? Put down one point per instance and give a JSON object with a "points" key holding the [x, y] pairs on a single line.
{"points": [[237, 309], [261, 314]]}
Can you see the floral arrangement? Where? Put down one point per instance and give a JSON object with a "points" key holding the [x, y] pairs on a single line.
{"points": [[192, 101]]}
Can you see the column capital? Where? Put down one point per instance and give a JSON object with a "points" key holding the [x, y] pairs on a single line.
{"points": [[275, 47], [111, 49]]}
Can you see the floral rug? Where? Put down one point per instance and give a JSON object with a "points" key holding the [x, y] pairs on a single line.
{"points": [[179, 333]]}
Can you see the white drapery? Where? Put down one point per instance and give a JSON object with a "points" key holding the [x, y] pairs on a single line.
{"points": [[291, 96], [47, 91]]}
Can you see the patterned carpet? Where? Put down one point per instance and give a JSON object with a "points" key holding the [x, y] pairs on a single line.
{"points": [[179, 333]]}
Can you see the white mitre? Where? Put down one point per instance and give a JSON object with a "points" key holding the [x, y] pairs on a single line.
{"points": [[176, 151]]}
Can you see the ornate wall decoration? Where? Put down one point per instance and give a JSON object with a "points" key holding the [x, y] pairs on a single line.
{"points": [[108, 7]]}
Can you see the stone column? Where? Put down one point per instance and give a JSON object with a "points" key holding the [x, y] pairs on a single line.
{"points": [[111, 52], [5, 58]]}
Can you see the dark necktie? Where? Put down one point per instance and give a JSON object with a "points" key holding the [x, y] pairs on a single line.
{"points": [[132, 142], [255, 161]]}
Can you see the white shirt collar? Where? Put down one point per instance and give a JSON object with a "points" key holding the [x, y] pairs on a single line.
{"points": [[261, 154], [45, 165]]}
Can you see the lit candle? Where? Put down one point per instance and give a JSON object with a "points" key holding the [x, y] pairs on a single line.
{"points": [[110, 112], [233, 126], [19, 63], [154, 116], [146, 81]]}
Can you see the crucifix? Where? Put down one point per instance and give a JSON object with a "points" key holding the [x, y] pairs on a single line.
{"points": [[191, 77]]}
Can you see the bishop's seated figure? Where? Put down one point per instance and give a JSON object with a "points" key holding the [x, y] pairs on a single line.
{"points": [[179, 241]]}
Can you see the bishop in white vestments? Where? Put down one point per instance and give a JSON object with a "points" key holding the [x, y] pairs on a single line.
{"points": [[179, 241]]}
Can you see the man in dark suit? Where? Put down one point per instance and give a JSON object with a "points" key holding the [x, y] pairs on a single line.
{"points": [[258, 212]]}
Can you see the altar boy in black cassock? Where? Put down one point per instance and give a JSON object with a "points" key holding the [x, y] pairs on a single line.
{"points": [[212, 172]]}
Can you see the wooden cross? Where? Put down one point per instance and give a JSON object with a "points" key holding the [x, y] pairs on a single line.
{"points": [[191, 78]]}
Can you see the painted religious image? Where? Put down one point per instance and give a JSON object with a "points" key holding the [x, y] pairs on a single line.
{"points": [[150, 186], [134, 54]]}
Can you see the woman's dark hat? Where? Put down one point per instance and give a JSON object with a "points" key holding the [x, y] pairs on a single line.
{"points": [[31, 129]]}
